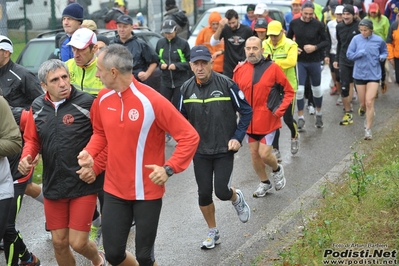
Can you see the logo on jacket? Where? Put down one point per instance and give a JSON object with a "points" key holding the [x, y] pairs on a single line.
{"points": [[133, 114], [68, 119], [193, 96], [217, 93]]}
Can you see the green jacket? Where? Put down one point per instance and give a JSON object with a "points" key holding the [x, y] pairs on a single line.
{"points": [[285, 55], [381, 27], [84, 78]]}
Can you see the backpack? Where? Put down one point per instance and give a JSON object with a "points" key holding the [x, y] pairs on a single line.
{"points": [[180, 18]]}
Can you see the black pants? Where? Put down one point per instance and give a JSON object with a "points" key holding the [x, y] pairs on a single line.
{"points": [[290, 122], [117, 219], [213, 171], [172, 94]]}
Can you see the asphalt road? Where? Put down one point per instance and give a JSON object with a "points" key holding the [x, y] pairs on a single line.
{"points": [[182, 227]]}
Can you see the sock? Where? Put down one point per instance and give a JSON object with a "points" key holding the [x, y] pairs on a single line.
{"points": [[278, 169], [319, 113], [237, 199], [97, 222], [40, 197], [301, 116], [266, 182]]}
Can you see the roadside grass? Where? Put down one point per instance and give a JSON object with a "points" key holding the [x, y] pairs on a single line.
{"points": [[360, 210], [38, 173]]}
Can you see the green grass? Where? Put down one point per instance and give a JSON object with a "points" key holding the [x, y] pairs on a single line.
{"points": [[38, 173], [360, 210]]}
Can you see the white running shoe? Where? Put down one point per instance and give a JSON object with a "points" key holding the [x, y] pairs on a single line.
{"points": [[279, 179], [212, 239]]}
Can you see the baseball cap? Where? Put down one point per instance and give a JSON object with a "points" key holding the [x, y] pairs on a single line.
{"points": [[168, 26], [90, 24], [120, 2], [200, 52], [296, 2], [6, 44], [260, 9], [349, 9], [82, 38], [124, 19], [339, 9], [373, 7], [250, 7], [274, 28], [260, 25]]}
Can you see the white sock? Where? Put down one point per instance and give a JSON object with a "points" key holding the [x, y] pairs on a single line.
{"points": [[40, 197]]}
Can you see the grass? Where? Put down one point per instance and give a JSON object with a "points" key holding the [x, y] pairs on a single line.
{"points": [[38, 173], [362, 209]]}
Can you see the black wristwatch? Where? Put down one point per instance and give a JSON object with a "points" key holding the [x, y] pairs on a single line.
{"points": [[169, 171]]}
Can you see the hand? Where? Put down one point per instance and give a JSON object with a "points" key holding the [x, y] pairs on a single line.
{"points": [[164, 66], [85, 159], [25, 165], [223, 22], [172, 67], [335, 65], [234, 145], [216, 54], [87, 174], [309, 48], [327, 60], [158, 175], [392, 62], [299, 51], [143, 76], [36, 160]]}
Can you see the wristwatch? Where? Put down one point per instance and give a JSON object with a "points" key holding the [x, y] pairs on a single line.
{"points": [[169, 171]]}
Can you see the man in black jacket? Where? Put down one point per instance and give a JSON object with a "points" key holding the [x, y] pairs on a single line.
{"points": [[179, 16], [59, 125], [145, 60]]}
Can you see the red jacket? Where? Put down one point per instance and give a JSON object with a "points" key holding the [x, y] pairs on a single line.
{"points": [[256, 81], [133, 124]]}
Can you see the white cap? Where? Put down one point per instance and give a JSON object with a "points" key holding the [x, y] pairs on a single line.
{"points": [[260, 9], [6, 44], [339, 9], [82, 38]]}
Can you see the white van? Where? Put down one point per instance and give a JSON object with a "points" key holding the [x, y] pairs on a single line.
{"points": [[38, 13]]}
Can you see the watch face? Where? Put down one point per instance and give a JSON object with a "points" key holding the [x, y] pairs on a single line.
{"points": [[168, 170]]}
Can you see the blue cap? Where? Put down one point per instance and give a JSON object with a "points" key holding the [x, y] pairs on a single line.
{"points": [[200, 52]]}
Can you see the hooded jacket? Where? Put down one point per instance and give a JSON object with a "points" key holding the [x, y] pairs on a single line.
{"points": [[204, 38], [183, 32], [256, 81]]}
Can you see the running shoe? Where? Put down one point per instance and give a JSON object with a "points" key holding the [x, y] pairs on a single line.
{"points": [[34, 261], [295, 145], [311, 109], [212, 239], [347, 119], [279, 179], [262, 190], [301, 124], [333, 91], [361, 112], [367, 134], [102, 255], [278, 155], [242, 208], [319, 121]]}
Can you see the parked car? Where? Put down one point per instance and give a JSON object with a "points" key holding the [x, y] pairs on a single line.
{"points": [[276, 11], [43, 47]]}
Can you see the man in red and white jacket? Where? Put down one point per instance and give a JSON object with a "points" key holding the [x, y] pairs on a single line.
{"points": [[132, 118]]}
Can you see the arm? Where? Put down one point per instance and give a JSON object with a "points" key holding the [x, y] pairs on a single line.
{"points": [[184, 63], [10, 136], [383, 50], [288, 90], [215, 39], [291, 59], [353, 53], [241, 106], [324, 42]]}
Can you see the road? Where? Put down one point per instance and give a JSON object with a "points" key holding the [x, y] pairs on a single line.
{"points": [[182, 228]]}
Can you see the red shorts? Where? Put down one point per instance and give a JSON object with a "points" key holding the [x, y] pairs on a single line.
{"points": [[74, 213]]}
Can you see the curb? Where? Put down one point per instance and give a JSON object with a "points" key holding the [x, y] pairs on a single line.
{"points": [[284, 227]]}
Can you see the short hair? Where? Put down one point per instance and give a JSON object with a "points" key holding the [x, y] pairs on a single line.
{"points": [[254, 38], [117, 56], [231, 13], [50, 65]]}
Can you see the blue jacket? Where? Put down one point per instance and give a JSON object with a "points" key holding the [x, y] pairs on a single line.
{"points": [[367, 53], [246, 21]]}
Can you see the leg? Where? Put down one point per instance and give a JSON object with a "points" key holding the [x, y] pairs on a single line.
{"points": [[315, 80], [63, 254], [116, 223], [35, 191], [176, 97], [396, 67], [371, 89], [203, 170], [302, 74]]}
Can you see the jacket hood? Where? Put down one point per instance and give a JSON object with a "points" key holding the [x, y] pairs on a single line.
{"points": [[214, 17]]}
